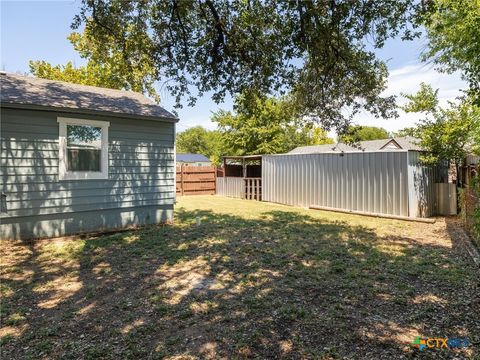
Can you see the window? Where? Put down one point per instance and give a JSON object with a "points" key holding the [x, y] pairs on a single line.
{"points": [[83, 152]]}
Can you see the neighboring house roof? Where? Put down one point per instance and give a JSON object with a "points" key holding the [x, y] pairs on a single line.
{"points": [[192, 158], [401, 143], [409, 143], [34, 93]]}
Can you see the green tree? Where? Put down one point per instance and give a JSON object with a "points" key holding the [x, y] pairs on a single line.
{"points": [[91, 74], [453, 30], [408, 131], [316, 50], [446, 133], [425, 100], [319, 137], [106, 67], [476, 138], [266, 125], [356, 133], [198, 140]]}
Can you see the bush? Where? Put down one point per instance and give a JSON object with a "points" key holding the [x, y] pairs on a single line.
{"points": [[470, 202]]}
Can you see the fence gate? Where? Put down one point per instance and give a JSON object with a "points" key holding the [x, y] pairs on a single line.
{"points": [[253, 188], [446, 199], [196, 180]]}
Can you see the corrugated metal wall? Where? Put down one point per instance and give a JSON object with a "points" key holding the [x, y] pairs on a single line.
{"points": [[230, 187], [446, 199], [422, 189], [375, 182]]}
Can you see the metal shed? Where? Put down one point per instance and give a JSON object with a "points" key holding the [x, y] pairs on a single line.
{"points": [[389, 182]]}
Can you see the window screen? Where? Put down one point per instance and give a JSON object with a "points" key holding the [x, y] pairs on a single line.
{"points": [[84, 148]]}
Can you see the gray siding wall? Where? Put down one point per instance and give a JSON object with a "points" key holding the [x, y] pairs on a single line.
{"points": [[375, 182], [140, 188]]}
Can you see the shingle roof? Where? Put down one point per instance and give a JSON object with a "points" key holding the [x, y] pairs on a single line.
{"points": [[408, 143], [30, 92], [192, 158], [405, 143]]}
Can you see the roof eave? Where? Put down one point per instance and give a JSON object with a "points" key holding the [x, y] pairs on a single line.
{"points": [[344, 152], [238, 157], [11, 105], [389, 142]]}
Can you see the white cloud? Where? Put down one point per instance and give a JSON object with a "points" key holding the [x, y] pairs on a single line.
{"points": [[407, 79]]}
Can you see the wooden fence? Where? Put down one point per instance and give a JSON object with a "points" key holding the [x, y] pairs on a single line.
{"points": [[196, 180], [471, 207]]}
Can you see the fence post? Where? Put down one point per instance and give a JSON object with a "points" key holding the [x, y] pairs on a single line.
{"points": [[244, 188], [215, 184], [181, 177], [254, 188]]}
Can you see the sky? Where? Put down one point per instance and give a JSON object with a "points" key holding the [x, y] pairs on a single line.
{"points": [[38, 30]]}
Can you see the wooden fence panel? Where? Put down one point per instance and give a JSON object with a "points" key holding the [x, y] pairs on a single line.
{"points": [[196, 180]]}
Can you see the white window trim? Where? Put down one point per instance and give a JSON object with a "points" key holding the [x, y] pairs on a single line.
{"points": [[63, 174]]}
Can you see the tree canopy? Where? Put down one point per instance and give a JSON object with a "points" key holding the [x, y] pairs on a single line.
{"points": [[356, 133], [453, 30], [104, 68], [408, 131], [91, 74], [258, 125], [198, 140], [266, 125], [314, 49], [448, 133]]}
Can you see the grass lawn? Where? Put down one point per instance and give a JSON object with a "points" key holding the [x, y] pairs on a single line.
{"points": [[254, 280]]}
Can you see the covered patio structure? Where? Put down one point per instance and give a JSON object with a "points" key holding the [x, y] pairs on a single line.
{"points": [[242, 177]]}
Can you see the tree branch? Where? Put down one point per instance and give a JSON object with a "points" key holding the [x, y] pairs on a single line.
{"points": [[220, 39]]}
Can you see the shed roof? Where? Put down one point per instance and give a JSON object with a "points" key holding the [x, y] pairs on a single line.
{"points": [[34, 93], [401, 143], [182, 157], [246, 157]]}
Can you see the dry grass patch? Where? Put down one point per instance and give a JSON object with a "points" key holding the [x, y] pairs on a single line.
{"points": [[255, 280]]}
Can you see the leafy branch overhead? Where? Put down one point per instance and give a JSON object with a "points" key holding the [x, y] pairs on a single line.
{"points": [[259, 125], [448, 133], [453, 31], [314, 49], [107, 68], [266, 125]]}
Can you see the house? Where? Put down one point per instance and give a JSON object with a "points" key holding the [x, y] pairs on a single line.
{"points": [[78, 158], [192, 160], [398, 143]]}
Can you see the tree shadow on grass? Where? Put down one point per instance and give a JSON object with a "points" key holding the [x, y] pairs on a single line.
{"points": [[282, 284]]}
